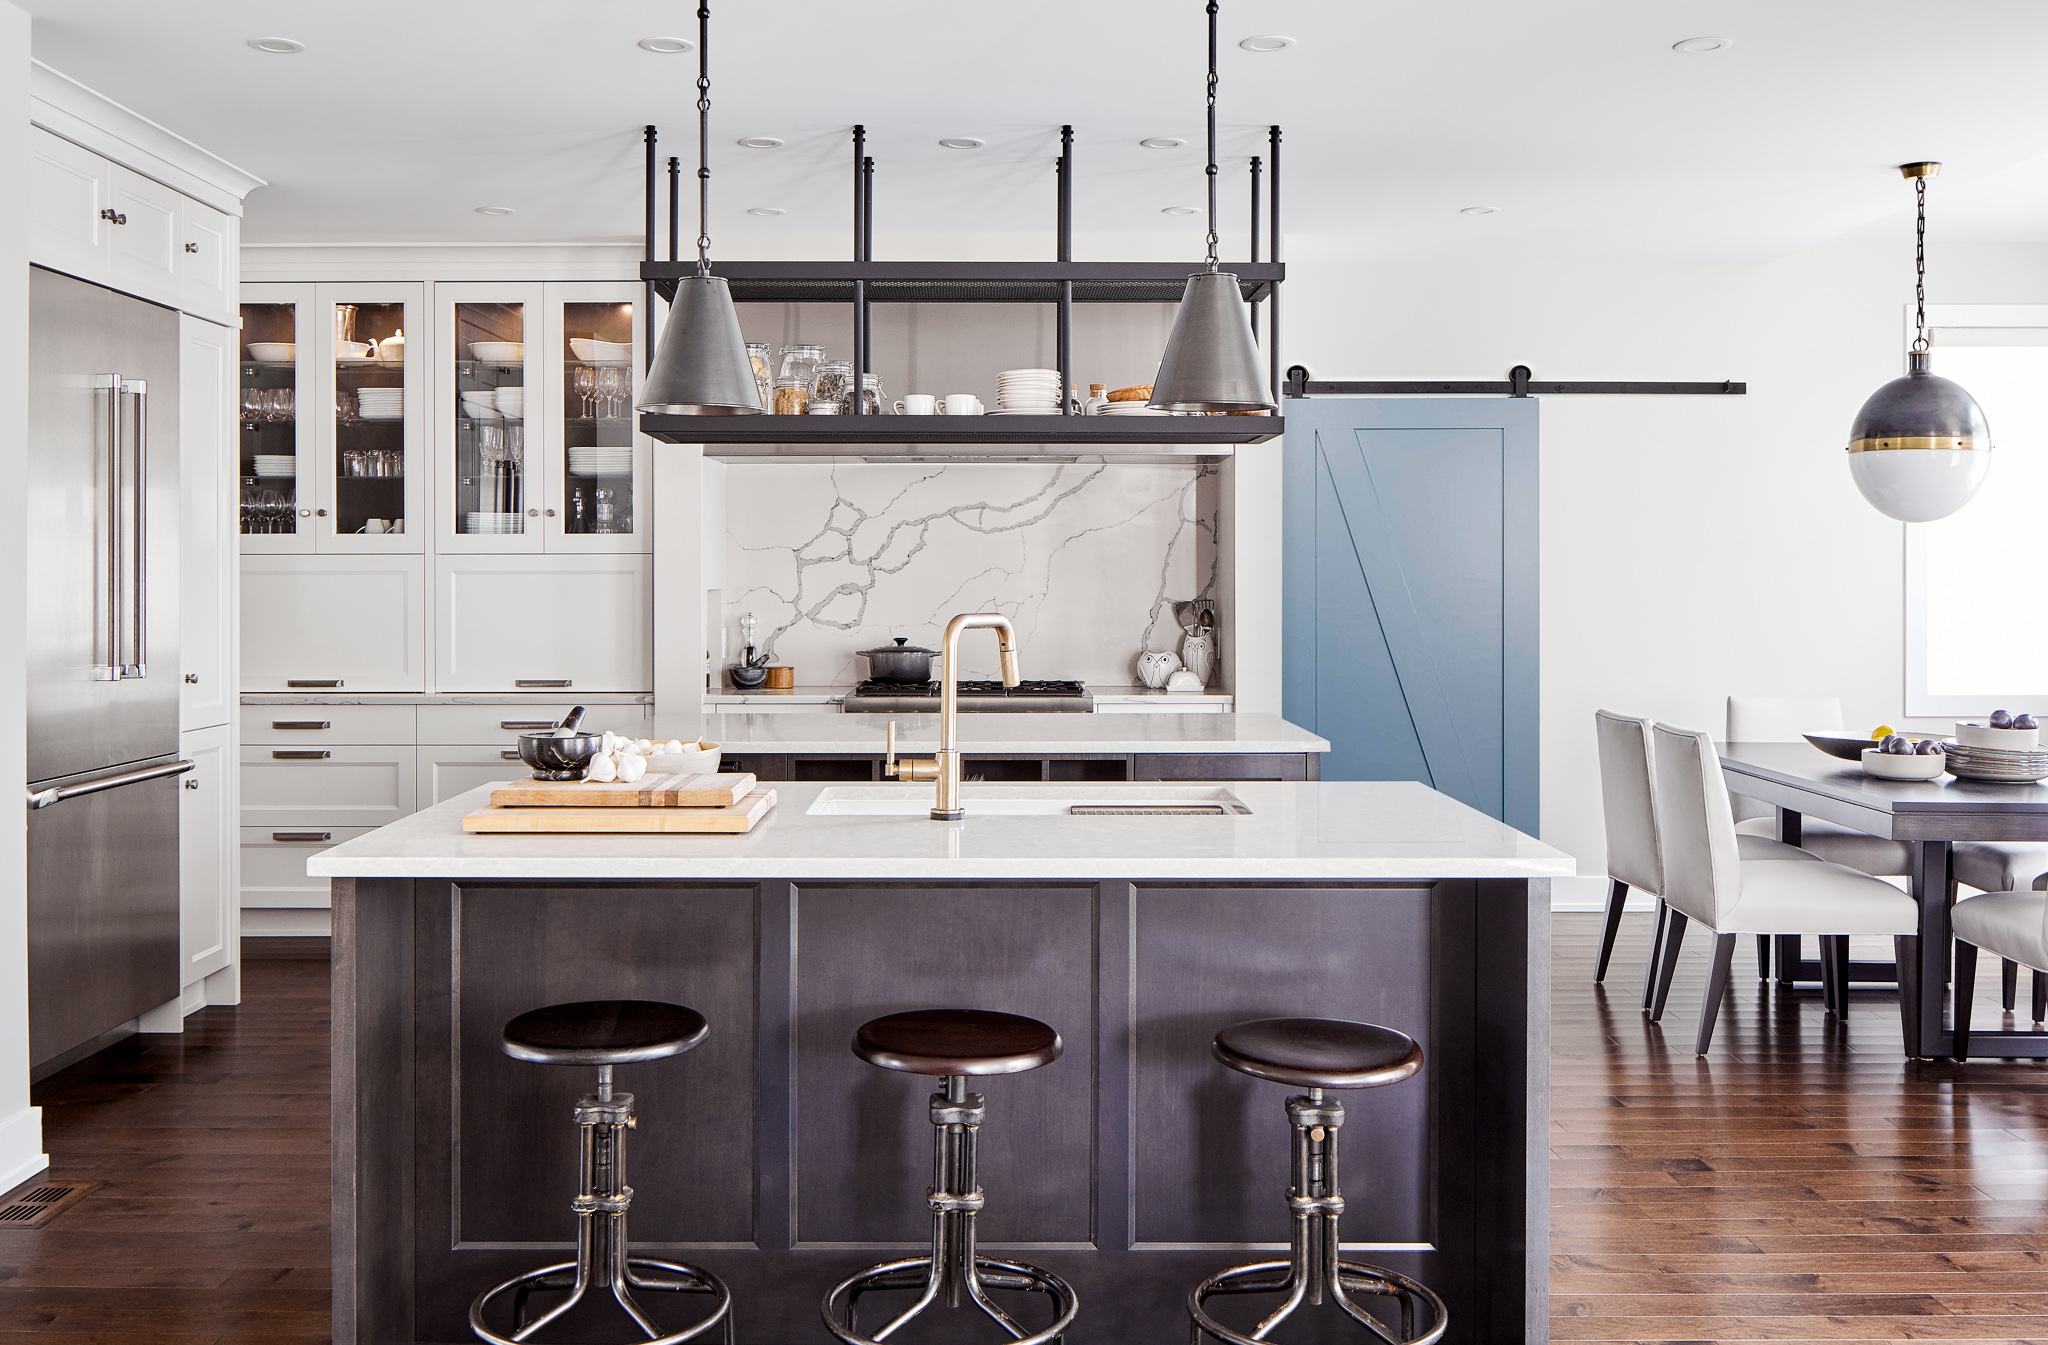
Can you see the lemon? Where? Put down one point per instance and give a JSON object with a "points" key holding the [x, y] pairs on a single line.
{"points": [[1882, 731]]}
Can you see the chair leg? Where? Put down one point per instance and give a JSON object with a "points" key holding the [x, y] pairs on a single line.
{"points": [[1828, 969], [1717, 990], [1841, 976], [1667, 962], [1964, 978], [1656, 952], [1617, 897], [2040, 997], [2009, 982], [1763, 957]]}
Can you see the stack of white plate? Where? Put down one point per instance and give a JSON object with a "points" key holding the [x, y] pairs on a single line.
{"points": [[476, 523], [381, 403], [512, 402], [1128, 409], [1993, 766], [480, 405], [276, 464], [601, 461], [1027, 392]]}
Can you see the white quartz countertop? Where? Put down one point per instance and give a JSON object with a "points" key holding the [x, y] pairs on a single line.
{"points": [[444, 698], [1025, 734], [1341, 830]]}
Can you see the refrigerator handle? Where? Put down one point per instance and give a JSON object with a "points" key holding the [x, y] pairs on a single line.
{"points": [[139, 557], [110, 671], [44, 798]]}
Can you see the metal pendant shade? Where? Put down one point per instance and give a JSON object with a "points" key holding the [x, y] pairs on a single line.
{"points": [[701, 365], [1920, 447], [1211, 362]]}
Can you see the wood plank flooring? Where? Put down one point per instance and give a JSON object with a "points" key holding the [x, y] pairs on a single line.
{"points": [[1803, 1181]]}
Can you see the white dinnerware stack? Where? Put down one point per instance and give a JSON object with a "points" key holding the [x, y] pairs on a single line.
{"points": [[480, 405], [600, 352], [1027, 392], [512, 403], [380, 403], [498, 352], [276, 464], [601, 462], [1138, 408], [491, 523]]}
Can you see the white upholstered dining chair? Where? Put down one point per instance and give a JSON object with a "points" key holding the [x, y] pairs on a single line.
{"points": [[2012, 924], [1706, 879]]}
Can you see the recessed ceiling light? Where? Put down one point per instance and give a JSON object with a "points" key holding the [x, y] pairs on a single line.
{"points": [[666, 46], [1270, 42], [962, 142], [1692, 44], [494, 210], [1178, 210], [276, 46], [1479, 210], [766, 210], [1163, 142], [760, 142]]}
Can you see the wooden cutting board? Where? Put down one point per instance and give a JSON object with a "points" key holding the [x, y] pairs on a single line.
{"points": [[649, 791], [739, 817]]}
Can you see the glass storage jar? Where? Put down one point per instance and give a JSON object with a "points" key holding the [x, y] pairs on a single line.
{"points": [[792, 397], [871, 394], [801, 364], [835, 377], [757, 353]]}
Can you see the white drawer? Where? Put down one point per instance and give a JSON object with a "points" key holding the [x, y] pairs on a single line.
{"points": [[334, 622], [319, 725], [313, 788], [274, 864], [472, 724]]}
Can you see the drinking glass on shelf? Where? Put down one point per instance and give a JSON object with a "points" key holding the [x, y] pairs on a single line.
{"points": [[607, 512], [286, 405], [345, 405], [252, 404]]}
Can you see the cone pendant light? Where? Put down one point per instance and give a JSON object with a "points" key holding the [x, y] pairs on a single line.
{"points": [[1920, 447], [701, 366], [1211, 361]]}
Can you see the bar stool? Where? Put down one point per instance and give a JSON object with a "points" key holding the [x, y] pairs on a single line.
{"points": [[953, 1044], [1317, 1053], [604, 1033]]}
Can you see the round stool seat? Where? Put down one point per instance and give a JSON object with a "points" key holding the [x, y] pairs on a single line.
{"points": [[953, 1042], [603, 1032], [1318, 1052]]}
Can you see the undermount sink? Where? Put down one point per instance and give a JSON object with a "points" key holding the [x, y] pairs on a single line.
{"points": [[1032, 801]]}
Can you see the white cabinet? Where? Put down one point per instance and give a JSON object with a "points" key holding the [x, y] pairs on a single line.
{"points": [[536, 623], [273, 873], [209, 924], [314, 787], [448, 771], [329, 622], [206, 545], [143, 251], [368, 418], [68, 188], [207, 239]]}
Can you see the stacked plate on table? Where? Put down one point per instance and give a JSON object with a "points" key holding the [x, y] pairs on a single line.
{"points": [[380, 403], [1027, 392], [601, 462], [1989, 765], [276, 464], [480, 523]]}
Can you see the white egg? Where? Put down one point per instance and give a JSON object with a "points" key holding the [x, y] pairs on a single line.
{"points": [[602, 768], [672, 747], [632, 768]]}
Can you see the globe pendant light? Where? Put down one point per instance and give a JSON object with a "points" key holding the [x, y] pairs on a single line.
{"points": [[701, 366], [1211, 361], [1920, 446]]}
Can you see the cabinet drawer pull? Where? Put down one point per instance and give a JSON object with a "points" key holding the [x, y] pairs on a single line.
{"points": [[301, 754], [112, 217], [301, 724], [334, 682], [509, 756], [191, 247], [301, 835], [526, 725], [541, 682]]}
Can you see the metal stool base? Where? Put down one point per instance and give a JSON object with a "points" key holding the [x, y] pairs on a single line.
{"points": [[694, 1281], [1352, 1277]]}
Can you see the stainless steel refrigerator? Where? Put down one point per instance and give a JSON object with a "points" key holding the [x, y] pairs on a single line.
{"points": [[102, 533]]}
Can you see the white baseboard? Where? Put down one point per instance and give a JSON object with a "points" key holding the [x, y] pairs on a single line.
{"points": [[275, 922], [21, 1148]]}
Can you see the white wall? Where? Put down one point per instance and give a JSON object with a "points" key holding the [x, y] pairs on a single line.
{"points": [[1692, 547], [21, 1127]]}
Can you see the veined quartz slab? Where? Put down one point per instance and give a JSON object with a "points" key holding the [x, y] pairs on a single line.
{"points": [[1023, 733], [1341, 830]]}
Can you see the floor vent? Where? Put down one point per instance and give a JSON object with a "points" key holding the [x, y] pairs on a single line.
{"points": [[38, 1205]]}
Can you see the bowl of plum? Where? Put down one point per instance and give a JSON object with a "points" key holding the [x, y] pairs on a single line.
{"points": [[1900, 758], [2001, 732]]}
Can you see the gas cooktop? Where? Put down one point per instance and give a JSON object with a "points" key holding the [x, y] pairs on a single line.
{"points": [[975, 697]]}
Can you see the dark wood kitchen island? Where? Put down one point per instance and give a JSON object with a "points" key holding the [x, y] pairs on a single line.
{"points": [[1133, 1166]]}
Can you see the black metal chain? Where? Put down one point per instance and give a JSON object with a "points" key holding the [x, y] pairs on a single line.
{"points": [[703, 138], [1212, 134], [1920, 265]]}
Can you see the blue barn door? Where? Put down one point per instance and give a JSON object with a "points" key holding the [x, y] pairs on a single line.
{"points": [[1410, 582]]}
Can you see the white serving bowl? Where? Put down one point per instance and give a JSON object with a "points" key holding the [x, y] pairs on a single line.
{"points": [[600, 352], [704, 762], [273, 352], [1999, 740], [498, 352], [1888, 766]]}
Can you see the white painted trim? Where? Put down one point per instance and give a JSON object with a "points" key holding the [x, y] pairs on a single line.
{"points": [[259, 922], [63, 106], [21, 1148], [1583, 894], [430, 262]]}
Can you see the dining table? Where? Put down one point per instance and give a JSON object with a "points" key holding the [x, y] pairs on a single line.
{"points": [[1801, 781]]}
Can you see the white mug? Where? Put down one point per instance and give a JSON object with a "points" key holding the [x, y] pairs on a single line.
{"points": [[962, 404], [917, 404], [376, 526]]}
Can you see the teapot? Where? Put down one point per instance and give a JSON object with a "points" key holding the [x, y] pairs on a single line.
{"points": [[391, 350]]}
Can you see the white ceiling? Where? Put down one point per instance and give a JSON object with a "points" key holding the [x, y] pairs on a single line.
{"points": [[1573, 116]]}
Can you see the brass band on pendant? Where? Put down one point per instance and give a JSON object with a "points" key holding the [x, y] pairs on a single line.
{"points": [[1938, 441]]}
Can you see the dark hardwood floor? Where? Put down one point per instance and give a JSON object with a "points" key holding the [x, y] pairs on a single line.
{"points": [[1800, 1183]]}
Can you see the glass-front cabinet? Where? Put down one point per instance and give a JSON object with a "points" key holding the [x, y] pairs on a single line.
{"points": [[276, 468], [534, 419]]}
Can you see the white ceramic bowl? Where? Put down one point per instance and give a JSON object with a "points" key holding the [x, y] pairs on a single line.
{"points": [[1886, 766], [2000, 740], [703, 762], [273, 352], [600, 352], [498, 352]]}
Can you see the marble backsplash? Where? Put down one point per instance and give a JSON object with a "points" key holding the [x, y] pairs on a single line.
{"points": [[1086, 558]]}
